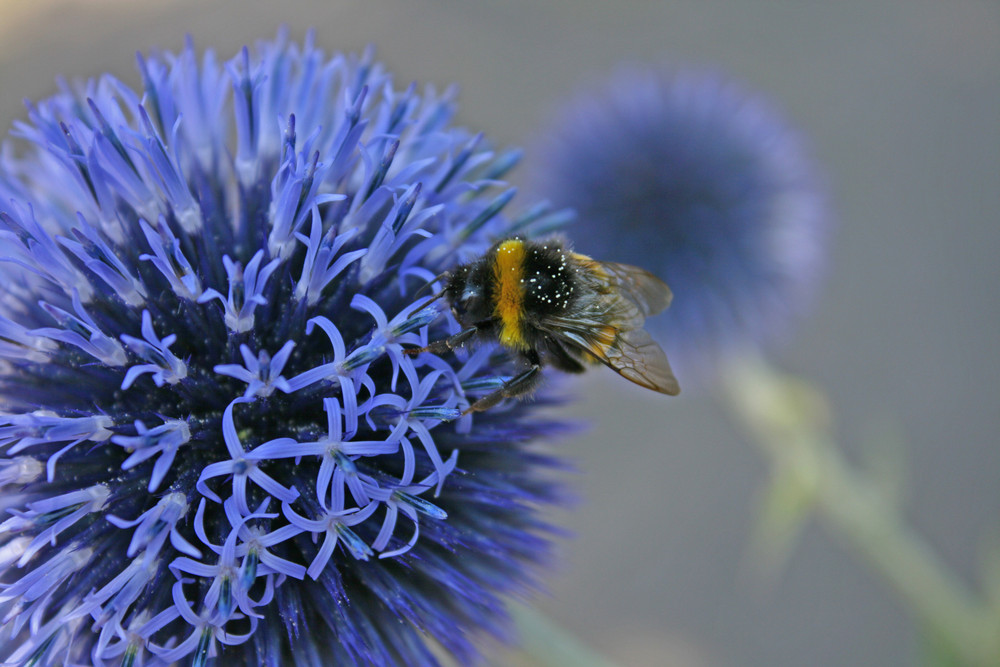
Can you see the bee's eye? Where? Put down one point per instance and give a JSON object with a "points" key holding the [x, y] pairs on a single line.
{"points": [[469, 294]]}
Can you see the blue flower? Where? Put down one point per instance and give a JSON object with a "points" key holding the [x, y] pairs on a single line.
{"points": [[211, 440], [689, 176]]}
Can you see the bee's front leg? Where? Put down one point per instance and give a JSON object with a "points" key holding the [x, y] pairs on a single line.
{"points": [[519, 385], [445, 344]]}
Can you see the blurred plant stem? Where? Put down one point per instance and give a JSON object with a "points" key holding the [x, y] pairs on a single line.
{"points": [[548, 645], [789, 421]]}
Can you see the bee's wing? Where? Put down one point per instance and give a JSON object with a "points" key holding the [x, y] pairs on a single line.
{"points": [[630, 352], [610, 329], [637, 357], [639, 286]]}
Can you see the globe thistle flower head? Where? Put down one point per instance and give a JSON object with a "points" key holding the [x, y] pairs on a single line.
{"points": [[689, 176], [211, 441]]}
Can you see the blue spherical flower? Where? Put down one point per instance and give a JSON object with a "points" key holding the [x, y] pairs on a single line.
{"points": [[705, 185], [211, 441]]}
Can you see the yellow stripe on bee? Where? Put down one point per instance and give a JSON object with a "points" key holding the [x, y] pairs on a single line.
{"points": [[508, 272], [591, 265], [588, 262], [605, 338]]}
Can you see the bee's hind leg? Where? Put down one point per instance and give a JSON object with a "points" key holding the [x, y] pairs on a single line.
{"points": [[562, 359], [519, 385]]}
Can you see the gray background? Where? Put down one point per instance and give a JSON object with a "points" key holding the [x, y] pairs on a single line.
{"points": [[901, 100]]}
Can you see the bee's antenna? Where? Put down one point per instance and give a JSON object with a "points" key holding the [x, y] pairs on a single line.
{"points": [[441, 276], [431, 299]]}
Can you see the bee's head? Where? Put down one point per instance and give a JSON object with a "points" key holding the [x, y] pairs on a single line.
{"points": [[466, 291]]}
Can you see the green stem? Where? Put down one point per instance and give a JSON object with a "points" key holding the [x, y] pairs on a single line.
{"points": [[787, 419], [549, 645]]}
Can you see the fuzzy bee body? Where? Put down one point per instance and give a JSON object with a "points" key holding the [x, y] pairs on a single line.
{"points": [[557, 307]]}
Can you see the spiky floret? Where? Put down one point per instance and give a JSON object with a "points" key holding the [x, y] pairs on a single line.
{"points": [[211, 442]]}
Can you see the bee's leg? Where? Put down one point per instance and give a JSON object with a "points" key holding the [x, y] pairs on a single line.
{"points": [[562, 358], [519, 385], [445, 344]]}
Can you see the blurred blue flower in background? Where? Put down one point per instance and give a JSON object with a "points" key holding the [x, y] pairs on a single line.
{"points": [[687, 175], [211, 442]]}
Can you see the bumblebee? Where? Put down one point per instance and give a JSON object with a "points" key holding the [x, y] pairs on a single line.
{"points": [[556, 307]]}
